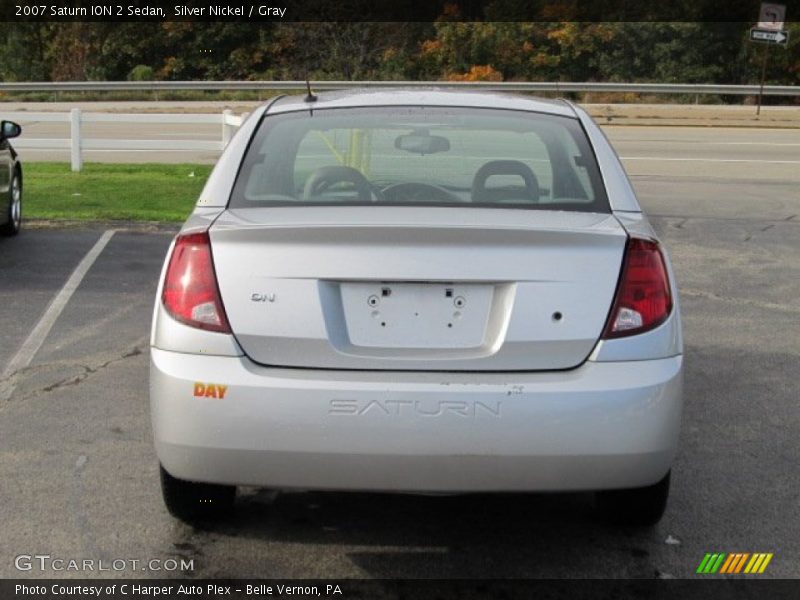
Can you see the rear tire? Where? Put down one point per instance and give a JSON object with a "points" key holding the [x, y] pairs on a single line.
{"points": [[14, 211], [191, 501], [638, 507]]}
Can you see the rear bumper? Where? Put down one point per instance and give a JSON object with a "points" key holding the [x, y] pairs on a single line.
{"points": [[600, 426]]}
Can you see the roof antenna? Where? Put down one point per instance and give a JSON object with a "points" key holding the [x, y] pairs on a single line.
{"points": [[310, 97]]}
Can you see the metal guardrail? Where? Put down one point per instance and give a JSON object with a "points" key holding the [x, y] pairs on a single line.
{"points": [[511, 86], [76, 143]]}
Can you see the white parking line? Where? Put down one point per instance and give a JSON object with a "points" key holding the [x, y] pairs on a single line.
{"points": [[739, 143], [620, 141], [112, 151], [31, 346], [713, 160]]}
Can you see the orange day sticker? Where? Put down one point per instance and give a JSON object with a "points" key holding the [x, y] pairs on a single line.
{"points": [[209, 390]]}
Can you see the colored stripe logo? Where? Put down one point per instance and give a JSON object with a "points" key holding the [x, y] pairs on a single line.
{"points": [[737, 562]]}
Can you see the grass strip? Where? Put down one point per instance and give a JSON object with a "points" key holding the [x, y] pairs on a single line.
{"points": [[104, 191]]}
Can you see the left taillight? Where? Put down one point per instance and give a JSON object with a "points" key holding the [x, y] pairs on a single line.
{"points": [[191, 294]]}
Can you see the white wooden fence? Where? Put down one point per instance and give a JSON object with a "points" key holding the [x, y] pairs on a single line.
{"points": [[77, 143]]}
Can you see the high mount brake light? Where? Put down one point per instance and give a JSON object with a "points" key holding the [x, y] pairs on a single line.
{"points": [[191, 294], [643, 299]]}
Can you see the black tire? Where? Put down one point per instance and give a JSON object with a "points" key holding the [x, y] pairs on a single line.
{"points": [[190, 501], [638, 507], [14, 210]]}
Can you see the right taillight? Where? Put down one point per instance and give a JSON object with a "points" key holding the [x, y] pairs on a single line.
{"points": [[643, 299], [190, 293]]}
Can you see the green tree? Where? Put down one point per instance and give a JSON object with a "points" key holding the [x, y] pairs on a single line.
{"points": [[23, 52]]}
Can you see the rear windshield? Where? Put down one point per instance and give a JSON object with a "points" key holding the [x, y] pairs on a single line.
{"points": [[420, 156]]}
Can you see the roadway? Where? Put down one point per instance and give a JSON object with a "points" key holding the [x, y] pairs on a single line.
{"points": [[754, 153], [80, 475]]}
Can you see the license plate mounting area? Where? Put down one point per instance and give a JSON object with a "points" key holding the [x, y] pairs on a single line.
{"points": [[416, 315]]}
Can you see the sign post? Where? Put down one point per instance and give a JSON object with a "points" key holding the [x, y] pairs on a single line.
{"points": [[763, 78], [769, 31]]}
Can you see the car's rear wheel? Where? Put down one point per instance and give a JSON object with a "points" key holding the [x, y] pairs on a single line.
{"points": [[14, 216], [193, 501], [639, 507]]}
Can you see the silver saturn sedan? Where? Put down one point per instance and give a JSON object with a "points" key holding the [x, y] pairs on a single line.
{"points": [[420, 291]]}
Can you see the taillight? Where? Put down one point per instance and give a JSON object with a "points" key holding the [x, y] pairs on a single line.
{"points": [[643, 299], [191, 294]]}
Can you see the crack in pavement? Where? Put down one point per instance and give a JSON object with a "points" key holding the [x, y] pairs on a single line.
{"points": [[784, 220], [16, 377], [762, 229], [740, 301], [681, 224]]}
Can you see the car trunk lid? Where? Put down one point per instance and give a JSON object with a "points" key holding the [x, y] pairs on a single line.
{"points": [[417, 288]]}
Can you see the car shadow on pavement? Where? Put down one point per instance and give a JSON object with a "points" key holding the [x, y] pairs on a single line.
{"points": [[476, 535]]}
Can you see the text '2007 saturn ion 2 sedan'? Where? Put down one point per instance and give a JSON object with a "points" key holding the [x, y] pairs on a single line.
{"points": [[419, 291]]}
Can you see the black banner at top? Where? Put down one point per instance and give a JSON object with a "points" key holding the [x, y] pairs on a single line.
{"points": [[376, 10]]}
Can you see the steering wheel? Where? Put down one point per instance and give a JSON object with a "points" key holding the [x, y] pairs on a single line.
{"points": [[398, 192], [324, 177]]}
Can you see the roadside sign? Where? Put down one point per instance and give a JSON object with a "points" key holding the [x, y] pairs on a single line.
{"points": [[771, 16], [768, 36], [769, 31]]}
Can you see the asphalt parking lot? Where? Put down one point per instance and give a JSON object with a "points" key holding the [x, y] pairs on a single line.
{"points": [[79, 473]]}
